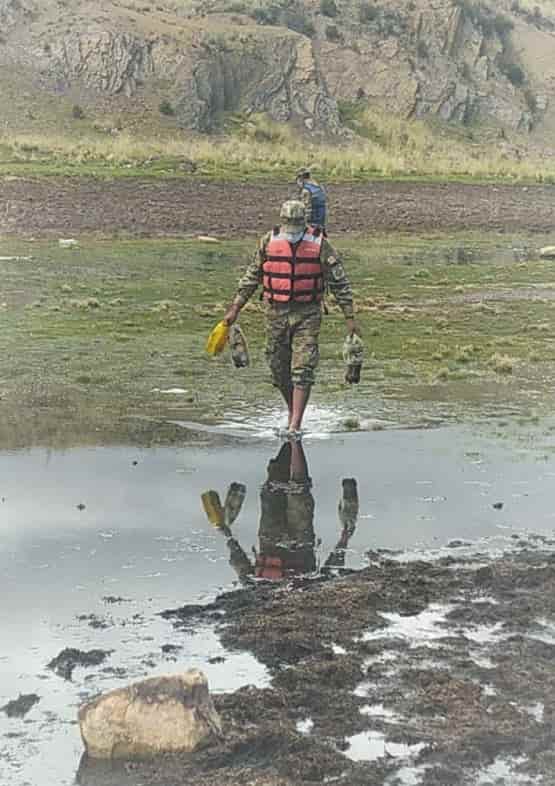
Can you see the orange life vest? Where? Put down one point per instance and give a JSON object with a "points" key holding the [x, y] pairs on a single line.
{"points": [[293, 272], [270, 568]]}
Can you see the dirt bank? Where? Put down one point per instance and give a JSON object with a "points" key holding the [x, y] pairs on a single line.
{"points": [[72, 206], [441, 671]]}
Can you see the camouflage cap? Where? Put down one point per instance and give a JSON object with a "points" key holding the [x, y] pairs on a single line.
{"points": [[292, 216], [303, 172]]}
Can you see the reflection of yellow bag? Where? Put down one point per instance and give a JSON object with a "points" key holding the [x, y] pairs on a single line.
{"points": [[213, 508], [217, 339]]}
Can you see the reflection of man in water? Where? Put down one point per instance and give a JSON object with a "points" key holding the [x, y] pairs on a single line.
{"points": [[286, 533]]}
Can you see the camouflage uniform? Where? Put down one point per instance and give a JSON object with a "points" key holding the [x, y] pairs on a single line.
{"points": [[287, 517], [293, 329]]}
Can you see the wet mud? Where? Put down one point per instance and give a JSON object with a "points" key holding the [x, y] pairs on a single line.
{"points": [[423, 672], [426, 659], [58, 206]]}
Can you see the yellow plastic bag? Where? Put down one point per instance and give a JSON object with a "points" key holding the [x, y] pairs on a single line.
{"points": [[217, 339]]}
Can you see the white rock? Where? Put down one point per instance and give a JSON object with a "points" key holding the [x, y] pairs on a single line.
{"points": [[166, 714], [69, 242], [548, 252]]}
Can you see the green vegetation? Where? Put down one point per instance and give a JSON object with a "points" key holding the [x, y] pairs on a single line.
{"points": [[368, 12], [538, 12], [333, 34], [77, 112], [99, 332], [514, 73], [328, 7], [286, 13], [256, 147], [486, 18], [166, 108], [384, 20]]}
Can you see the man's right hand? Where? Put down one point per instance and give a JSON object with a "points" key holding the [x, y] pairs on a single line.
{"points": [[231, 314]]}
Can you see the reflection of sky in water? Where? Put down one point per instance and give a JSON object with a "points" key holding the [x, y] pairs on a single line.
{"points": [[143, 535]]}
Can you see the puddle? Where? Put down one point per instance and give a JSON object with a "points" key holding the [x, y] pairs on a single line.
{"points": [[305, 726], [129, 524], [377, 711], [502, 772], [373, 745], [484, 634], [536, 711], [482, 660], [418, 630], [407, 776]]}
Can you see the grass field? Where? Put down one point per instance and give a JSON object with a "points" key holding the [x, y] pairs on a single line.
{"points": [[384, 146], [93, 335]]}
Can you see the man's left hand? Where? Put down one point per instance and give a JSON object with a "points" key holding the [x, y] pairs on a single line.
{"points": [[352, 327]]}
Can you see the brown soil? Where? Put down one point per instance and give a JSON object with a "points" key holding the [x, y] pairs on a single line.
{"points": [[73, 206], [466, 698]]}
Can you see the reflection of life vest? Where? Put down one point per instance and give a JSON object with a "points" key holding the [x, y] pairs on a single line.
{"points": [[294, 272], [318, 203], [270, 568]]}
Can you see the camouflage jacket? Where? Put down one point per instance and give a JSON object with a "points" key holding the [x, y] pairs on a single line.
{"points": [[335, 278]]}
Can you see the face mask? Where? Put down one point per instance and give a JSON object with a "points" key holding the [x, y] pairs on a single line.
{"points": [[293, 237]]}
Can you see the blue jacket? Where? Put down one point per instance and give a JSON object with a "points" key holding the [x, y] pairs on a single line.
{"points": [[319, 200]]}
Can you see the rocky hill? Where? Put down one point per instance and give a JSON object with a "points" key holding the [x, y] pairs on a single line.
{"points": [[299, 61]]}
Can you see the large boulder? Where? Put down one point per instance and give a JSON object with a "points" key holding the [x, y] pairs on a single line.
{"points": [[167, 714]]}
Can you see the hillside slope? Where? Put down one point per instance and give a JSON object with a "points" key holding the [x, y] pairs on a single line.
{"points": [[191, 64]]}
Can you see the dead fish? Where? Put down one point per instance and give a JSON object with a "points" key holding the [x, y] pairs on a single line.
{"points": [[239, 347], [235, 497]]}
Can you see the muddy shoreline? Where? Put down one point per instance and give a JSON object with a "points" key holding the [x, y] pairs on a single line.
{"points": [[56, 206], [446, 663]]}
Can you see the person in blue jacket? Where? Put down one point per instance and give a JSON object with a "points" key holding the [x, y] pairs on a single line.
{"points": [[314, 198]]}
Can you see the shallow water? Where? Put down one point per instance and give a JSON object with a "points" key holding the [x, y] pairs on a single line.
{"points": [[143, 543]]}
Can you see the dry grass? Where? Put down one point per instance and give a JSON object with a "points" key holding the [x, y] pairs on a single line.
{"points": [[502, 364], [389, 147]]}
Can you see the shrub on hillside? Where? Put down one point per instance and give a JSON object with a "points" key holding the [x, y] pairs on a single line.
{"points": [[384, 20], [367, 13], [489, 22], [514, 73], [166, 108], [328, 7], [531, 100], [422, 49], [291, 16], [333, 34]]}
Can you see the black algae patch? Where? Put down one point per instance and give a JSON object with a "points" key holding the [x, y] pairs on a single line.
{"points": [[18, 708], [69, 658]]}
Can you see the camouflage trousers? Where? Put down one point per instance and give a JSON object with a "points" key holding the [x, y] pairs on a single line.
{"points": [[292, 345]]}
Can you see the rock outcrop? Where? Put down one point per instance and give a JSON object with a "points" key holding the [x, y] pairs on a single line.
{"points": [[453, 59], [159, 715], [12, 12], [439, 62], [255, 72], [113, 63]]}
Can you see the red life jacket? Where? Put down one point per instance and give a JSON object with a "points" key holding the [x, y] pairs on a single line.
{"points": [[270, 568], [293, 272]]}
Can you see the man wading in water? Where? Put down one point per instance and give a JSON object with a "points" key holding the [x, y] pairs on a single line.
{"points": [[295, 264]]}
